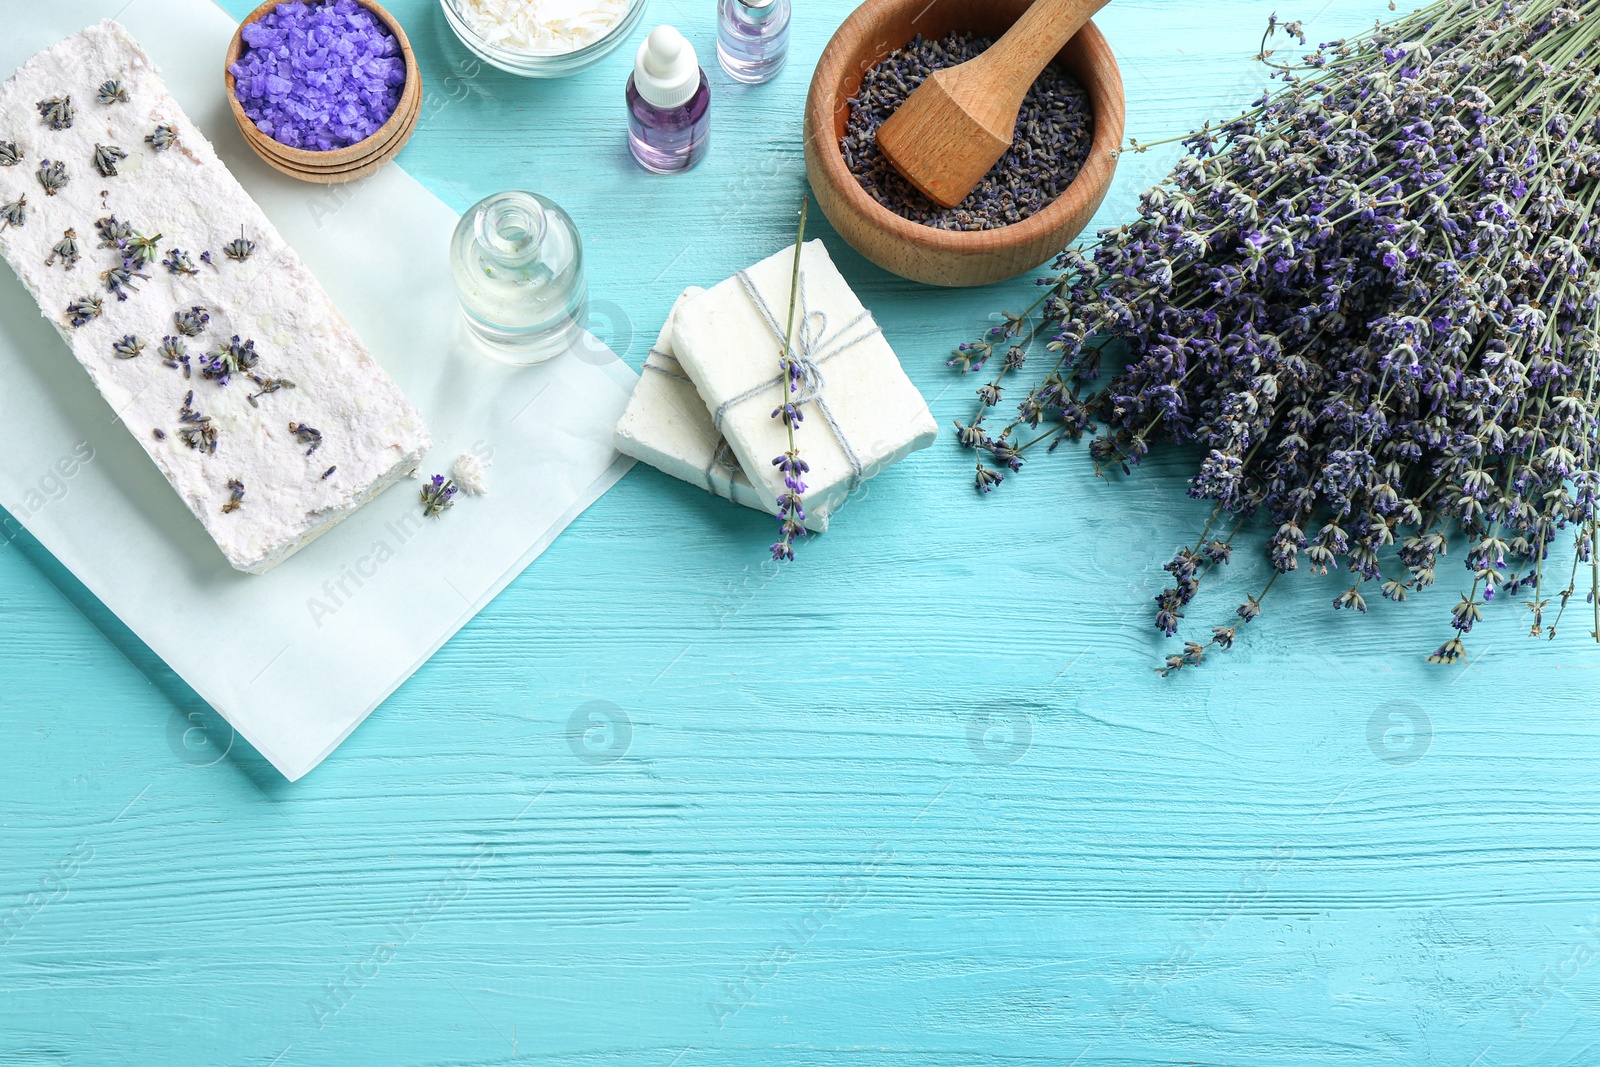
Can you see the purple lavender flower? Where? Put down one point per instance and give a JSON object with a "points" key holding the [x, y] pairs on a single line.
{"points": [[438, 496], [791, 508], [1397, 346]]}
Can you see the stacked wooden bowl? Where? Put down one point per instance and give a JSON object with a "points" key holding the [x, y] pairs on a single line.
{"points": [[340, 164]]}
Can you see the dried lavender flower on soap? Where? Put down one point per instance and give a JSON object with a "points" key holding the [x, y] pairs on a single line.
{"points": [[191, 323], [65, 250], [162, 138], [84, 310], [14, 213], [106, 158], [52, 176], [239, 249], [56, 112]]}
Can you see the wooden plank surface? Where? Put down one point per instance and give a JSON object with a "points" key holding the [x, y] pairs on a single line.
{"points": [[916, 800]]}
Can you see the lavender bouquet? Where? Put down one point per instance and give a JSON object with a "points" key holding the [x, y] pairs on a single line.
{"points": [[1373, 304]]}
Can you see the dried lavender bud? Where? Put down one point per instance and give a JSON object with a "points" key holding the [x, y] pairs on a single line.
{"points": [[160, 434], [1055, 131], [191, 323], [9, 156], [106, 158], [228, 358], [140, 250], [197, 432], [14, 213], [128, 348], [84, 310], [175, 354], [119, 280], [306, 436], [53, 176], [178, 262], [164, 137], [56, 112], [266, 386], [66, 250], [438, 496], [112, 92], [235, 496], [240, 249], [329, 473], [112, 232]]}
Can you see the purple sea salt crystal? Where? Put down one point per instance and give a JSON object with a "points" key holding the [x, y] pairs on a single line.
{"points": [[319, 76]]}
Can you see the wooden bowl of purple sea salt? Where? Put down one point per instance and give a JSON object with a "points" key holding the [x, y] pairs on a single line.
{"points": [[326, 91], [1039, 197]]}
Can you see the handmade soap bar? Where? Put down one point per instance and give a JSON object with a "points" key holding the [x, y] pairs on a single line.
{"points": [[202, 329], [668, 426], [862, 414]]}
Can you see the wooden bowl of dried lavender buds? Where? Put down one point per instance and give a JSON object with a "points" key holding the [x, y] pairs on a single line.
{"points": [[1038, 198]]}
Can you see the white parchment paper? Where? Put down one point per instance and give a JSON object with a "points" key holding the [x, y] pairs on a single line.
{"points": [[315, 645]]}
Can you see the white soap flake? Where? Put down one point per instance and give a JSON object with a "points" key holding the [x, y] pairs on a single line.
{"points": [[471, 475], [544, 26]]}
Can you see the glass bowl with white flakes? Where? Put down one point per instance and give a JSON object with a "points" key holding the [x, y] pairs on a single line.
{"points": [[543, 38]]}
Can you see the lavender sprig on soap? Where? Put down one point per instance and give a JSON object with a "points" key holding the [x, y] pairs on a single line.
{"points": [[791, 503]]}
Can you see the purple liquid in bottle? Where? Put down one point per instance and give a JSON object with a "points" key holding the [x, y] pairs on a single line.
{"points": [[668, 140]]}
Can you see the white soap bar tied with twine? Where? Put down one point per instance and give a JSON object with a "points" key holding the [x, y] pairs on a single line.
{"points": [[668, 426], [861, 413]]}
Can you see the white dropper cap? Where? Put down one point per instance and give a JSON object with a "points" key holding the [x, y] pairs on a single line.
{"points": [[666, 72]]}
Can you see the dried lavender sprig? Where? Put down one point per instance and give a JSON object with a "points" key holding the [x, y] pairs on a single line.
{"points": [[64, 250], [105, 159], [791, 503], [14, 213], [52, 175], [1371, 299], [438, 495]]}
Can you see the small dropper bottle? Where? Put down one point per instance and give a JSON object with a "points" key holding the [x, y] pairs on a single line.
{"points": [[752, 38], [669, 104]]}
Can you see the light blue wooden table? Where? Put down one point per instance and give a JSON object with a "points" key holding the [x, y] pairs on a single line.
{"points": [[917, 800]]}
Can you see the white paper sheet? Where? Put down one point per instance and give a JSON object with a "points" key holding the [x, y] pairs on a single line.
{"points": [[314, 646]]}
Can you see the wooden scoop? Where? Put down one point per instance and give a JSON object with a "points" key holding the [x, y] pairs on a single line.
{"points": [[959, 122]]}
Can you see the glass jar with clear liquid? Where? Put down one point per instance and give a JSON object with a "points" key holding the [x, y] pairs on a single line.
{"points": [[752, 38], [518, 263]]}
